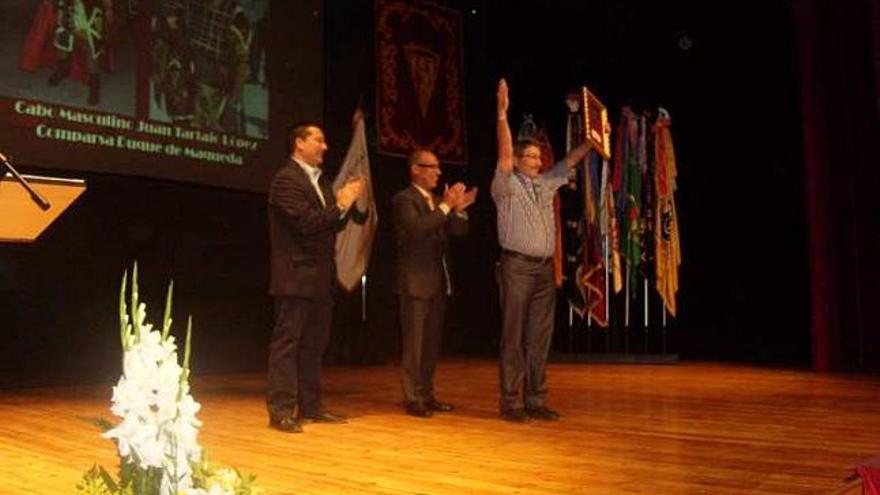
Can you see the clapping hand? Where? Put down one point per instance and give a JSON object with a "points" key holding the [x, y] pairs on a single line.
{"points": [[468, 198], [458, 198], [350, 192], [452, 195]]}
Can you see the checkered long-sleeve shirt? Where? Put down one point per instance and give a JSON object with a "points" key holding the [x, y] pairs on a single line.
{"points": [[525, 210]]}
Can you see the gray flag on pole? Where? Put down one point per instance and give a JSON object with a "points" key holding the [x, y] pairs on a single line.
{"points": [[355, 242]]}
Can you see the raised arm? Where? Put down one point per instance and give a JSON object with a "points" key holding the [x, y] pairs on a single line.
{"points": [[576, 154], [505, 140]]}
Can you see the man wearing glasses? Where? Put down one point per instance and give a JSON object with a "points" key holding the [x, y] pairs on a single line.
{"points": [[422, 222], [527, 234]]}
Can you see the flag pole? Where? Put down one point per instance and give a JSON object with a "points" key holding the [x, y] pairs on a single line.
{"points": [[626, 292], [607, 274], [607, 271], [646, 313], [626, 314], [663, 340], [606, 251], [364, 297]]}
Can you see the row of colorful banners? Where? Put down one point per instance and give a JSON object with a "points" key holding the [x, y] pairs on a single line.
{"points": [[617, 224]]}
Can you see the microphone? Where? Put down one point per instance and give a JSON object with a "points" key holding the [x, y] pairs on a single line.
{"points": [[38, 198]]}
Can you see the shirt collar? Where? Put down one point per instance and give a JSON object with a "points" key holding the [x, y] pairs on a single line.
{"points": [[313, 172], [526, 178], [422, 191]]}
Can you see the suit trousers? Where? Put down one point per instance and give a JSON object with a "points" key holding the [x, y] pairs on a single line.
{"points": [[528, 304], [302, 329], [421, 328]]}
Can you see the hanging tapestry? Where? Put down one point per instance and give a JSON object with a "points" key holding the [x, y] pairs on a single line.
{"points": [[419, 96]]}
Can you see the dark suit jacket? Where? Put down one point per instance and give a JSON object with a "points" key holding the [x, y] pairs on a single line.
{"points": [[421, 236], [302, 233]]}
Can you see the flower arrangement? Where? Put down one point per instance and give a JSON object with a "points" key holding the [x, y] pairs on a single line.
{"points": [[157, 442]]}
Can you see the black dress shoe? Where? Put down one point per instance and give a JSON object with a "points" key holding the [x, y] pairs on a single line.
{"points": [[544, 413], [324, 417], [436, 405], [286, 424], [418, 410], [515, 415]]}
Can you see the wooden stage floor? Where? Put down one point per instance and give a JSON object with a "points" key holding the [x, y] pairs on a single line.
{"points": [[682, 429]]}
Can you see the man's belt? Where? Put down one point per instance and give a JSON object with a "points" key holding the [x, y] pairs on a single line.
{"points": [[526, 257]]}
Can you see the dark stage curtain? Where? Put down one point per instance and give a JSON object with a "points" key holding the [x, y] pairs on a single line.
{"points": [[837, 65]]}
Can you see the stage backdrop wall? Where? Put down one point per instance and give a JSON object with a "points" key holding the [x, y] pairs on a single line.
{"points": [[744, 278]]}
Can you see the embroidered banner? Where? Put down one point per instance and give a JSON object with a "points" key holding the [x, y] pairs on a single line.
{"points": [[419, 99]]}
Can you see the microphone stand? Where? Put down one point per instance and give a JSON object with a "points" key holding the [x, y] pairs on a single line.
{"points": [[38, 198]]}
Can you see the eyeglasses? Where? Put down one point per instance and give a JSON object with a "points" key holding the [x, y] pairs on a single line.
{"points": [[428, 165]]}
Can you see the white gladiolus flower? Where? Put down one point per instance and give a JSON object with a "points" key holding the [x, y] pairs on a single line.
{"points": [[158, 431], [159, 428]]}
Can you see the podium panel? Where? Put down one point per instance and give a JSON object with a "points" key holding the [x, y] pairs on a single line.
{"points": [[21, 220]]}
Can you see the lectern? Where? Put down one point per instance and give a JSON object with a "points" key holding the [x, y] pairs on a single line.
{"points": [[21, 218]]}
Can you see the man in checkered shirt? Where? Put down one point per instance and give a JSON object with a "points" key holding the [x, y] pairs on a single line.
{"points": [[527, 233]]}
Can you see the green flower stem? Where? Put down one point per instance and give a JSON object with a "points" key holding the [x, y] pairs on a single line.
{"points": [[166, 319]]}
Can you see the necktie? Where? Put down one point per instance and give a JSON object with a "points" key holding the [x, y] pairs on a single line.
{"points": [[431, 206]]}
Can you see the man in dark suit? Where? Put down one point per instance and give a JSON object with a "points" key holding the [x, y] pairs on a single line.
{"points": [[421, 224], [304, 216]]}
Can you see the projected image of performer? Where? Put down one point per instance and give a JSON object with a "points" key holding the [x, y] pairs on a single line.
{"points": [[204, 56], [80, 25], [69, 42], [236, 53], [175, 82], [76, 38]]}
